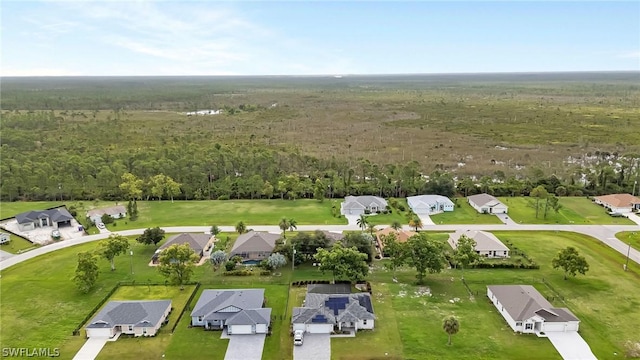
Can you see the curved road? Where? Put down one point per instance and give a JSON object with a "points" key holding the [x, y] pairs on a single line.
{"points": [[604, 233]]}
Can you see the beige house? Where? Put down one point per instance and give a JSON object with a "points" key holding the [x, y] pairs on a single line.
{"points": [[487, 204], [137, 318], [116, 212], [401, 236], [487, 244]]}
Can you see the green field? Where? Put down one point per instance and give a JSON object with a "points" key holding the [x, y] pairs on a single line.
{"points": [[575, 210], [203, 213], [17, 245], [463, 213], [629, 237]]}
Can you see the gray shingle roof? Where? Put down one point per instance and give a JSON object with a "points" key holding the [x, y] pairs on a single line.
{"points": [[484, 199], [212, 301], [136, 313], [112, 210], [523, 301], [357, 307], [362, 202], [254, 242], [251, 317], [56, 215], [196, 241], [485, 241]]}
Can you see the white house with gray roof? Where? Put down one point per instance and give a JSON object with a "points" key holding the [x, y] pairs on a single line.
{"points": [[487, 244], [358, 205], [240, 311], [324, 313], [487, 204], [429, 204], [527, 311], [116, 212], [137, 318]]}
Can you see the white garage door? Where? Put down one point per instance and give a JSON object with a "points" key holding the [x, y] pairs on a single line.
{"points": [[240, 329], [105, 333], [319, 328], [549, 327]]}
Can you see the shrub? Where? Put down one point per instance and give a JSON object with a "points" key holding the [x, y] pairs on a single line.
{"points": [[230, 265], [239, 272], [367, 211], [401, 207], [223, 197], [265, 273]]}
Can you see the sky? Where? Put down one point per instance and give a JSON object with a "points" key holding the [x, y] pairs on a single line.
{"points": [[128, 38]]}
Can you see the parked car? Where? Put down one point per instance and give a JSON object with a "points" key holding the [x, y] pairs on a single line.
{"points": [[615, 214], [55, 234], [100, 225], [298, 337]]}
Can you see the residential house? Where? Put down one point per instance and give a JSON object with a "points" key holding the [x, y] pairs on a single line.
{"points": [[333, 237], [358, 205], [430, 204], [240, 311], [487, 244], [137, 318], [116, 212], [254, 246], [324, 313], [55, 218], [527, 311], [197, 242], [619, 203], [401, 236], [4, 238], [487, 204]]}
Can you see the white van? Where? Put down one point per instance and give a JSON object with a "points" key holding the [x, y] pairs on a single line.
{"points": [[298, 337]]}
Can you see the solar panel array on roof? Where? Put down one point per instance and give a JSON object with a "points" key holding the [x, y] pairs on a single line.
{"points": [[336, 304], [319, 319]]}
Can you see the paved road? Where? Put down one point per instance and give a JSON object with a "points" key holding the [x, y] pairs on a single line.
{"points": [[604, 233]]}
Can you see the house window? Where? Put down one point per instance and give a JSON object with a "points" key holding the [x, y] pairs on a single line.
{"points": [[528, 326], [199, 318], [130, 327], [144, 330], [364, 322], [518, 323]]}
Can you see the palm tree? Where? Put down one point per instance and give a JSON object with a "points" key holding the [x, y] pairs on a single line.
{"points": [[371, 228], [241, 228], [284, 225], [396, 225], [293, 224], [451, 326], [415, 222], [362, 222]]}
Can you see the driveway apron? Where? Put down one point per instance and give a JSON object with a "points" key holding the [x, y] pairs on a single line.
{"points": [[245, 347], [571, 345], [314, 347], [90, 349]]}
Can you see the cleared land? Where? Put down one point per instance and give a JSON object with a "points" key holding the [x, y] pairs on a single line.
{"points": [[17, 245], [575, 210], [463, 213]]}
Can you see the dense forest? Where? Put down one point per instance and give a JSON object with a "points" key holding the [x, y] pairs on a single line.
{"points": [[94, 141]]}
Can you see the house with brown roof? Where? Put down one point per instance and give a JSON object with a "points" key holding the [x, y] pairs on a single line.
{"points": [[401, 236], [487, 244], [527, 311], [116, 212], [254, 246], [619, 203]]}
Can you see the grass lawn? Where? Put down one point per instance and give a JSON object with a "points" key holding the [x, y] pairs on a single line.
{"points": [[204, 213], [17, 245], [464, 214], [575, 210], [630, 237], [147, 348]]}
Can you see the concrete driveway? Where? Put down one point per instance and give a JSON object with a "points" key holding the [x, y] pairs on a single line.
{"points": [[91, 349], [352, 220], [633, 217], [505, 219], [571, 345], [426, 220], [245, 347], [314, 347], [5, 255]]}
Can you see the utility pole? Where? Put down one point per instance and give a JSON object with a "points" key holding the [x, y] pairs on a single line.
{"points": [[293, 260], [633, 193], [131, 253], [626, 265]]}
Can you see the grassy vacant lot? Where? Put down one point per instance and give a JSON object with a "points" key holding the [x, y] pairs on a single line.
{"points": [[464, 214], [204, 213], [575, 210], [630, 237]]}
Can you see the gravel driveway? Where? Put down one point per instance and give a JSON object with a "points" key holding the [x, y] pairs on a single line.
{"points": [[245, 347], [314, 347]]}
